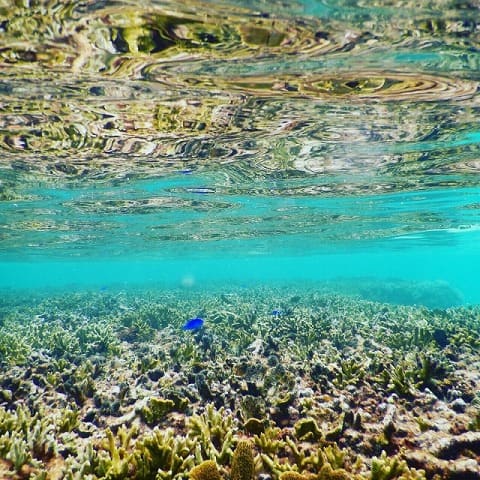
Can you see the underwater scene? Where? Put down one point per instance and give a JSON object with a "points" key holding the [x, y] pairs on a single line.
{"points": [[240, 240]]}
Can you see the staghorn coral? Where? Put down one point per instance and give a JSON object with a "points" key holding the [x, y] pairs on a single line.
{"points": [[116, 456], [315, 459], [69, 420], [213, 430], [26, 440], [269, 442], [389, 468], [163, 455]]}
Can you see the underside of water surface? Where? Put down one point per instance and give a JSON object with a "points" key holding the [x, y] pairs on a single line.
{"points": [[229, 141], [239, 240]]}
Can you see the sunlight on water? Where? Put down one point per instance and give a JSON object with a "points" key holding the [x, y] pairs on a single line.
{"points": [[165, 132]]}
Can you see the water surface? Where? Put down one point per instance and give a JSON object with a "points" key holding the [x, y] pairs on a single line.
{"points": [[239, 142]]}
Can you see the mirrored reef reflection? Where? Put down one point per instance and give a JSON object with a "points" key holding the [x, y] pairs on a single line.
{"points": [[315, 100]]}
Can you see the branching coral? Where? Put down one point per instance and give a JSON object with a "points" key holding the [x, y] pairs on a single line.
{"points": [[26, 438], [213, 430], [269, 442], [315, 459], [115, 460], [389, 468], [163, 455]]}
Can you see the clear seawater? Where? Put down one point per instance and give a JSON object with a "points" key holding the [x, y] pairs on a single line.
{"points": [[235, 143]]}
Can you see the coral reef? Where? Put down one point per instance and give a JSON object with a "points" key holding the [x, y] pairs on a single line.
{"points": [[343, 388]]}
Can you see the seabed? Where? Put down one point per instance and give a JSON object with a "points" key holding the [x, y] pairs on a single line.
{"points": [[277, 384]]}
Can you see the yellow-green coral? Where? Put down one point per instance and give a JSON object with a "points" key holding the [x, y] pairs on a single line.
{"points": [[156, 409], [269, 441], [116, 459], [292, 475], [388, 468], [328, 473], [213, 431], [207, 470], [316, 459], [163, 455], [243, 465], [307, 429]]}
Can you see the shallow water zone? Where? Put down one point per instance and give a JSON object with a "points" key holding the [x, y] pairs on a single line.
{"points": [[302, 176], [229, 141]]}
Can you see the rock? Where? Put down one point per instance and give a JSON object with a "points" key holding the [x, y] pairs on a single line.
{"points": [[155, 374], [452, 447], [305, 392], [459, 405], [454, 469], [388, 424]]}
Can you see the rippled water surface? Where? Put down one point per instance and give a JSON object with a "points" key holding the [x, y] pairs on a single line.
{"points": [[246, 141]]}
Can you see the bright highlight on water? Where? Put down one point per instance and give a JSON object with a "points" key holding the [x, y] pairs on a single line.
{"points": [[239, 240]]}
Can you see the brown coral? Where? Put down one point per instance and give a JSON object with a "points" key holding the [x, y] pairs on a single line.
{"points": [[207, 470], [328, 473], [292, 475], [243, 465]]}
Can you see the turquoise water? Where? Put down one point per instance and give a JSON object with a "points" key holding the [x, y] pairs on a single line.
{"points": [[230, 143]]}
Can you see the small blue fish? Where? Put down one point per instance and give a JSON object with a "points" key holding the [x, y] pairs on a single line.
{"points": [[277, 313], [194, 324]]}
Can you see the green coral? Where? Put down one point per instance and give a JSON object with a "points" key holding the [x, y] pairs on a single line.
{"points": [[26, 439], [401, 380], [313, 460], [269, 442], [70, 419], [349, 372]]}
